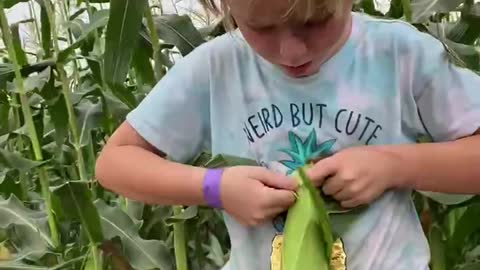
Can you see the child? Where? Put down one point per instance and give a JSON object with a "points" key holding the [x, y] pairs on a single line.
{"points": [[301, 80]]}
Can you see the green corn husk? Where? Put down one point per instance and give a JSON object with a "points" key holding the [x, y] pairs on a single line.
{"points": [[308, 240]]}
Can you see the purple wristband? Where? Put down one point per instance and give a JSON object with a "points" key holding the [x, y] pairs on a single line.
{"points": [[211, 187]]}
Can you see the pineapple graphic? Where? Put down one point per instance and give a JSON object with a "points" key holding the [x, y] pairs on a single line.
{"points": [[303, 151]]}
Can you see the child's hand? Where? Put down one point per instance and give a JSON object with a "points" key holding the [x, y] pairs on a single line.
{"points": [[357, 176], [253, 195]]}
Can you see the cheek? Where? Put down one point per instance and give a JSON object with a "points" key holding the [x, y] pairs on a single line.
{"points": [[323, 38], [327, 36], [263, 44]]}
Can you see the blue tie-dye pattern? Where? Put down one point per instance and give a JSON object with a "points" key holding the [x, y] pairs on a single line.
{"points": [[393, 79]]}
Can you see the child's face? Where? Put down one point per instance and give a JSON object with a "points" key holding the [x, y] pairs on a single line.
{"points": [[298, 48]]}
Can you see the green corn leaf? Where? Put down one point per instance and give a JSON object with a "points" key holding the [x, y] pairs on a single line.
{"points": [[470, 266], [11, 3], [467, 29], [14, 265], [30, 231], [143, 68], [215, 252], [18, 265], [407, 10], [6, 121], [77, 205], [423, 9], [77, 13], [46, 34], [94, 1], [367, 6], [38, 81], [121, 41], [438, 249], [186, 214], [135, 209], [11, 160], [207, 160], [469, 55], [3, 175], [99, 20], [7, 71], [222, 160], [465, 226], [178, 30], [57, 109], [201, 159], [17, 45], [90, 116], [447, 199], [8, 185], [6, 74], [141, 253]]}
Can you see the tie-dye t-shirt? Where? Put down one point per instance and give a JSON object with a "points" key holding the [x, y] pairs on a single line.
{"points": [[388, 84]]}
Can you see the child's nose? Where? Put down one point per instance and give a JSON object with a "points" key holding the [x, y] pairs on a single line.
{"points": [[293, 49]]}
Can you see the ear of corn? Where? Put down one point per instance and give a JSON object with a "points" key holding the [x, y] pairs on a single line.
{"points": [[308, 239]]}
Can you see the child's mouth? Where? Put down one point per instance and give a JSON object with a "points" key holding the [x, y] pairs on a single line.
{"points": [[298, 71]]}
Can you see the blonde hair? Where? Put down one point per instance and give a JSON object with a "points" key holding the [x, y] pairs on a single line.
{"points": [[304, 9]]}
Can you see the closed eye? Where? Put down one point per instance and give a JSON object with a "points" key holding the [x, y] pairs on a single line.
{"points": [[318, 22], [263, 28]]}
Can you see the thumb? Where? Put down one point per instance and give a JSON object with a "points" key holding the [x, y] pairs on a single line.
{"points": [[322, 170], [272, 179]]}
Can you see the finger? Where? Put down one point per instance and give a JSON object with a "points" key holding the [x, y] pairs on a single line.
{"points": [[272, 179], [274, 212], [333, 185], [281, 198], [348, 192], [363, 198], [322, 170], [351, 203]]}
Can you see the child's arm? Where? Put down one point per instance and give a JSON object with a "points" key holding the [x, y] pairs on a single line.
{"points": [[447, 167], [359, 175], [128, 166]]}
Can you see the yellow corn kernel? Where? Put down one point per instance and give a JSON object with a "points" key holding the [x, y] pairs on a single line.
{"points": [[276, 256]]}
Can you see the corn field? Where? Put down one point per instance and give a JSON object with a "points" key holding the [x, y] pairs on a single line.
{"points": [[88, 64]]}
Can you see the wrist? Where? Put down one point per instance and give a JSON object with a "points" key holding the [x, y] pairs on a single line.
{"points": [[403, 167], [211, 187]]}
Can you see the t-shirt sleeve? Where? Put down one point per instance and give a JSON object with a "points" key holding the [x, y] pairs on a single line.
{"points": [[447, 96], [174, 116]]}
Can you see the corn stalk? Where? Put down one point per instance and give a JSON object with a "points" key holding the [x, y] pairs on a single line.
{"points": [[19, 145], [32, 132], [37, 29], [155, 43], [180, 245], [64, 11], [71, 119]]}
